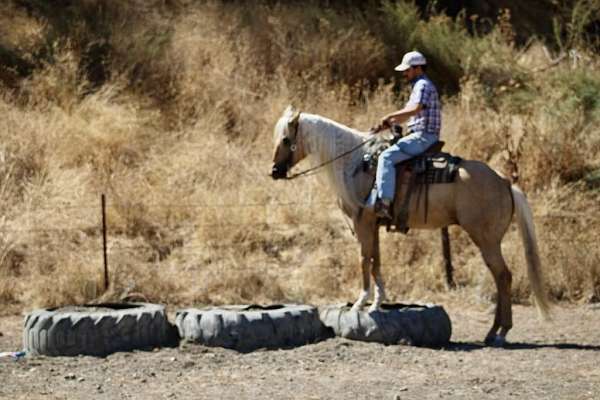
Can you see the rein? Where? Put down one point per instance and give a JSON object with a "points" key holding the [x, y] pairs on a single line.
{"points": [[312, 171]]}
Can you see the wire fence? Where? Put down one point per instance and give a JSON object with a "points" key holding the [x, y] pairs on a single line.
{"points": [[96, 237], [92, 222], [95, 226]]}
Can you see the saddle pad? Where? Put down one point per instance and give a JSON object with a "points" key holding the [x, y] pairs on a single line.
{"points": [[435, 168]]}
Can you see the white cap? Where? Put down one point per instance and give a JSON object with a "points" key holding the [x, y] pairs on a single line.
{"points": [[411, 59]]}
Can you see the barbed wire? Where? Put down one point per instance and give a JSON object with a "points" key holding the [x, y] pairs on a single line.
{"points": [[275, 227], [267, 203], [262, 225], [242, 247], [332, 205], [40, 230], [94, 228]]}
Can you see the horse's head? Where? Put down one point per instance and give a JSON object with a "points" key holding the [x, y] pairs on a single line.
{"points": [[289, 149]]}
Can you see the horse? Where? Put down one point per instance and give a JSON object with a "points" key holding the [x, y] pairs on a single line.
{"points": [[479, 200]]}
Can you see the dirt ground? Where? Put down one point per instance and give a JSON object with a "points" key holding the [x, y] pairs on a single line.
{"points": [[556, 360]]}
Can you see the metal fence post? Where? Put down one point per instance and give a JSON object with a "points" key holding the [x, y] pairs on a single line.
{"points": [[105, 254]]}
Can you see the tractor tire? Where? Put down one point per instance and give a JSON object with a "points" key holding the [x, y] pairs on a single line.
{"points": [[96, 329], [249, 327], [419, 325]]}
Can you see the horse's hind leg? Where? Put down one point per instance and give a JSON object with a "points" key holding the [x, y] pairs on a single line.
{"points": [[492, 255]]}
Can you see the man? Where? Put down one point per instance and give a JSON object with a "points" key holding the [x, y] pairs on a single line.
{"points": [[423, 112]]}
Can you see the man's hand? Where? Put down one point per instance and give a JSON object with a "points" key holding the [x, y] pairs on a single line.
{"points": [[384, 124]]}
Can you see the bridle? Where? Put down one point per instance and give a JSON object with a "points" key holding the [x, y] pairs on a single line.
{"points": [[293, 147], [280, 169]]}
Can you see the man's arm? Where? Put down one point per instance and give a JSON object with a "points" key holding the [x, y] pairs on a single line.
{"points": [[402, 115], [398, 117]]}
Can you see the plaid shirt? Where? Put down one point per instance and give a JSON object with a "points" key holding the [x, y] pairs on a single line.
{"points": [[429, 119]]}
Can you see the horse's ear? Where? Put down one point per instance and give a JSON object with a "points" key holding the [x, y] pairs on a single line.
{"points": [[290, 109], [294, 119]]}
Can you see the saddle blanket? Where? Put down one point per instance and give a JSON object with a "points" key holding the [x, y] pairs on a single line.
{"points": [[430, 168], [435, 168]]}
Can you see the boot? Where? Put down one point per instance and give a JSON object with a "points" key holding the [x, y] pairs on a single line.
{"points": [[383, 209]]}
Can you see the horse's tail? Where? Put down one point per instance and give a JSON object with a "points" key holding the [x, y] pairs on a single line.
{"points": [[534, 266]]}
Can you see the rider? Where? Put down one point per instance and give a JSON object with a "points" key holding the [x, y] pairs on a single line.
{"points": [[424, 110]]}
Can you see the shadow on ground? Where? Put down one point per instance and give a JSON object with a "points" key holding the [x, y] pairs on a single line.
{"points": [[471, 346]]}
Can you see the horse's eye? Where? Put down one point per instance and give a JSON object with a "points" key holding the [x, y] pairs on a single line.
{"points": [[286, 141]]}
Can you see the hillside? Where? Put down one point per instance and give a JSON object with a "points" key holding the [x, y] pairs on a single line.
{"points": [[168, 108]]}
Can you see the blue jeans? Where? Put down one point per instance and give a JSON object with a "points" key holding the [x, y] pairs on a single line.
{"points": [[406, 148]]}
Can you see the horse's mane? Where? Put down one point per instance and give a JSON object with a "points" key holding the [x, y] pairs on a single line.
{"points": [[325, 139]]}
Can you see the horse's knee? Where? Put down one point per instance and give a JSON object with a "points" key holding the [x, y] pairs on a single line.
{"points": [[366, 262]]}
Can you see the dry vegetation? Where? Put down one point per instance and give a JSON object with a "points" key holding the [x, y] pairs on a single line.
{"points": [[169, 107]]}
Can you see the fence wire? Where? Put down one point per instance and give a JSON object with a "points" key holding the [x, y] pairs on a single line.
{"points": [[93, 228]]}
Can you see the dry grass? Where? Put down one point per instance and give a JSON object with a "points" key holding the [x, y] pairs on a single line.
{"points": [[179, 138]]}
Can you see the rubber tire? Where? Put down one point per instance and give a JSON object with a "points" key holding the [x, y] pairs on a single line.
{"points": [[249, 327], [127, 326], [419, 325]]}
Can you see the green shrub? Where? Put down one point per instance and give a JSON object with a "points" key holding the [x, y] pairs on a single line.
{"points": [[569, 90]]}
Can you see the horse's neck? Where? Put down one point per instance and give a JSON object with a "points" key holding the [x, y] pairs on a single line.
{"points": [[325, 140]]}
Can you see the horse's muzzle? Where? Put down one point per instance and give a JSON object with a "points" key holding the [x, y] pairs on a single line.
{"points": [[279, 171]]}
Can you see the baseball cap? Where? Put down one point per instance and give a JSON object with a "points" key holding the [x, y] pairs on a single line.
{"points": [[411, 59]]}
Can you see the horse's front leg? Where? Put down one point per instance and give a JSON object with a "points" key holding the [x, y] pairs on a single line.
{"points": [[376, 272], [365, 263], [365, 231]]}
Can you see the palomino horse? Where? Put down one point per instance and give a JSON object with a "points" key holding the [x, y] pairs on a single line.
{"points": [[480, 201]]}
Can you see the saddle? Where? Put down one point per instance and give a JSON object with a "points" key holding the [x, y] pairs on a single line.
{"points": [[414, 175]]}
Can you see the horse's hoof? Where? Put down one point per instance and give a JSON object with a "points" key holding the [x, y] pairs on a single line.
{"points": [[374, 309], [495, 341]]}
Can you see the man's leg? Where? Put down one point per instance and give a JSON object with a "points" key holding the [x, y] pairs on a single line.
{"points": [[386, 171], [406, 148]]}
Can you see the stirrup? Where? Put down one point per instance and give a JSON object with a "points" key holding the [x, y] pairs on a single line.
{"points": [[383, 210]]}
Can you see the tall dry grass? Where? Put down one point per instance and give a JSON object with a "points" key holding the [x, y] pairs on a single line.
{"points": [[176, 130]]}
